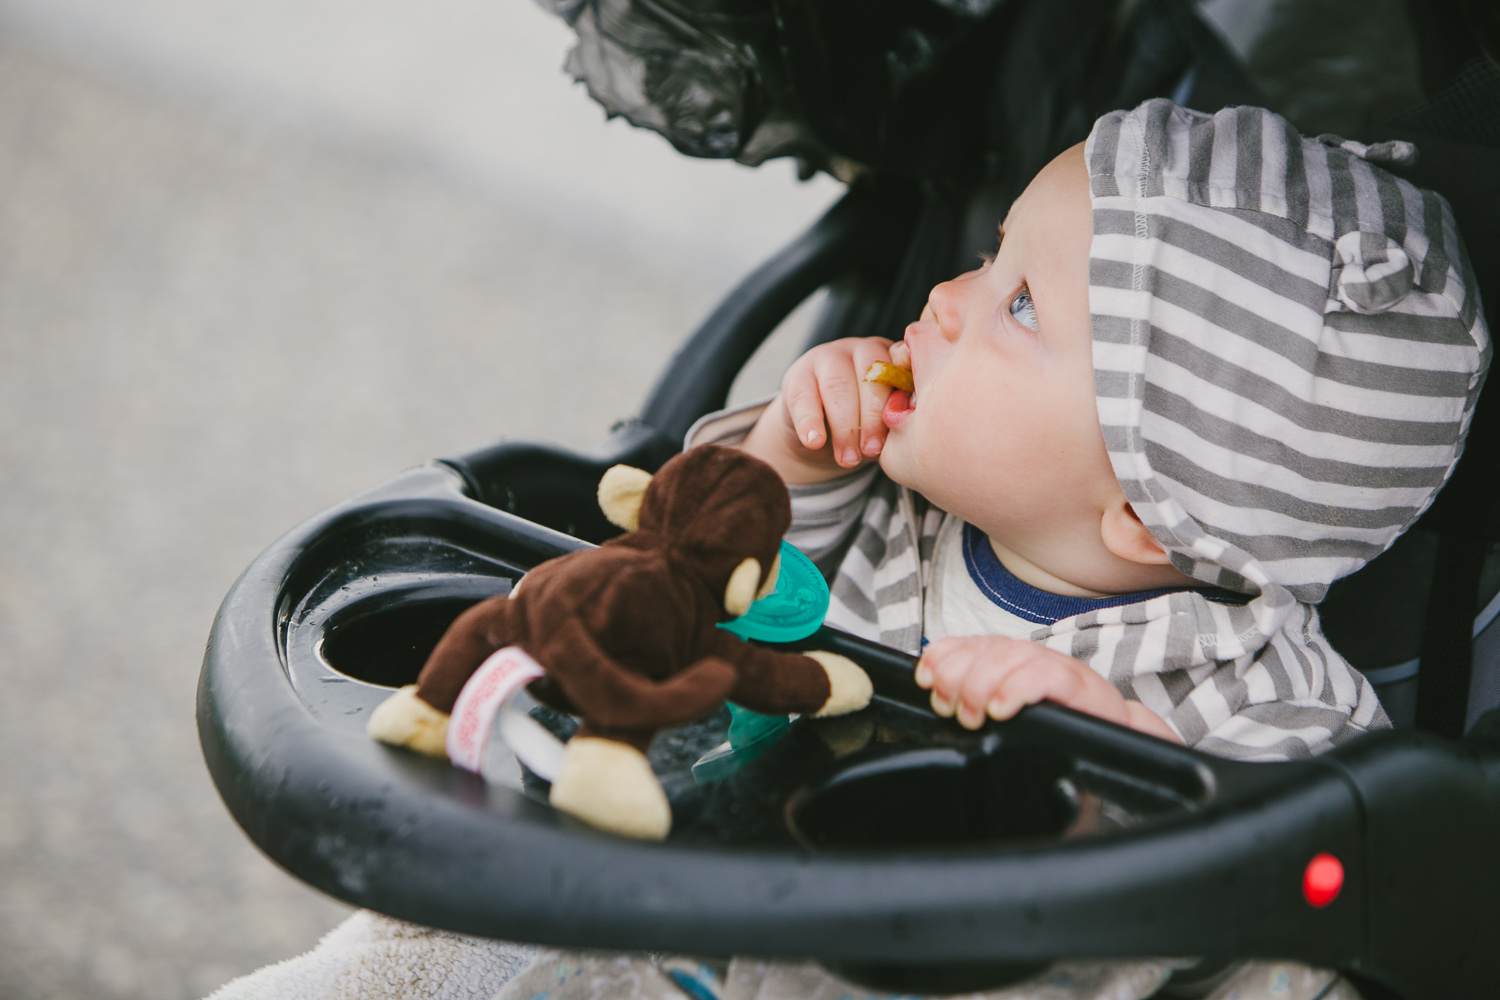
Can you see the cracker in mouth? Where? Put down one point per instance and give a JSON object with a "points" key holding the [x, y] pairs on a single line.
{"points": [[894, 376]]}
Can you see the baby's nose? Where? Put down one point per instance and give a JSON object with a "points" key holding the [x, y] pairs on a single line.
{"points": [[945, 304]]}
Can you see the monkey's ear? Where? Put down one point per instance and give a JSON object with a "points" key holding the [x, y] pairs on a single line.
{"points": [[743, 584], [771, 575], [620, 494]]}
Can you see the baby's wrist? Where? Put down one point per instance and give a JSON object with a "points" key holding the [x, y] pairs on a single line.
{"points": [[774, 441]]}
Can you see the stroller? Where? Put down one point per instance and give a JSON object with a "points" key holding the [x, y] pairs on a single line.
{"points": [[934, 860]]}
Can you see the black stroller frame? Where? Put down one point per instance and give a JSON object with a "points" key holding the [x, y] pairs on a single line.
{"points": [[932, 860]]}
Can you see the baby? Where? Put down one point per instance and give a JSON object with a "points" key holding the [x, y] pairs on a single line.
{"points": [[1276, 405], [1004, 456], [1212, 367]]}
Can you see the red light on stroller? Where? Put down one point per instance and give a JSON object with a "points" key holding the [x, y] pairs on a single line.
{"points": [[1322, 880]]}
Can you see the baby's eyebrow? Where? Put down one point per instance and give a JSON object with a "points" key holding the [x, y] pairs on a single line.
{"points": [[988, 256], [1009, 210]]}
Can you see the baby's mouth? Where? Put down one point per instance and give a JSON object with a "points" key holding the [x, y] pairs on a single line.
{"points": [[899, 406], [903, 397]]}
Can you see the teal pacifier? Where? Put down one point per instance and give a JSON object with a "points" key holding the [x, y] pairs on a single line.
{"points": [[792, 611]]}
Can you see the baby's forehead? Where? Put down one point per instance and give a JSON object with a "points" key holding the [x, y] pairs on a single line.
{"points": [[1059, 189], [1051, 222]]}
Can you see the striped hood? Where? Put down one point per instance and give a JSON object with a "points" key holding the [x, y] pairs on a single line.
{"points": [[1288, 345]]}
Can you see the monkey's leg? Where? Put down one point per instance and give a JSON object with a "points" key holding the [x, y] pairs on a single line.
{"points": [[607, 782], [416, 716]]}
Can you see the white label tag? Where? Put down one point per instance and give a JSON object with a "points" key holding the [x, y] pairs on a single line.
{"points": [[506, 671], [530, 741]]}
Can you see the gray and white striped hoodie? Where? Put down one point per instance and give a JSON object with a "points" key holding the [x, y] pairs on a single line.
{"points": [[1288, 348]]}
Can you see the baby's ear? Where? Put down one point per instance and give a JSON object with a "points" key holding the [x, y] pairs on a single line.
{"points": [[1125, 536], [621, 492]]}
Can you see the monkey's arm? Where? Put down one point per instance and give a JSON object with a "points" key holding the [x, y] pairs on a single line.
{"points": [[609, 695], [814, 683]]}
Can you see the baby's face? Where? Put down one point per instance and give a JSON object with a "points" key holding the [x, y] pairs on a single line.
{"points": [[1002, 428]]}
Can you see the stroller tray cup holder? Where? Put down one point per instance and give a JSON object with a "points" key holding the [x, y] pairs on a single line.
{"points": [[889, 843]]}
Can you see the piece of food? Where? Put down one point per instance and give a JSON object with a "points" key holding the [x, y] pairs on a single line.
{"points": [[892, 375]]}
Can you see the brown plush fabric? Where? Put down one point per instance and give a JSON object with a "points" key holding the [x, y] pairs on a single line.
{"points": [[627, 631]]}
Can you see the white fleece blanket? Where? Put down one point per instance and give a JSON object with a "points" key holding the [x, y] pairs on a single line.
{"points": [[373, 957]]}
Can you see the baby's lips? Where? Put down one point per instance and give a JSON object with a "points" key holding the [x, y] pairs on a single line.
{"points": [[897, 408], [898, 405]]}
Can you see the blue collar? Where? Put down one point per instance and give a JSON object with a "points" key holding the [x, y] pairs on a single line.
{"points": [[1040, 607]]}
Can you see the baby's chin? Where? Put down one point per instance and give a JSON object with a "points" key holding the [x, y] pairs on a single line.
{"points": [[945, 486], [896, 463], [910, 458]]}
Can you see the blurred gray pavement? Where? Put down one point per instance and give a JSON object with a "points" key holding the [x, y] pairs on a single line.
{"points": [[222, 310]]}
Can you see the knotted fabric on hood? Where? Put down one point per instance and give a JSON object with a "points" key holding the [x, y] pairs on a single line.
{"points": [[1288, 344]]}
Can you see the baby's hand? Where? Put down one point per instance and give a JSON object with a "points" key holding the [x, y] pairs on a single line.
{"points": [[827, 418], [827, 383], [991, 676]]}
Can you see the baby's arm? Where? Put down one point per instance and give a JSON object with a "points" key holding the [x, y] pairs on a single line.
{"points": [[826, 421], [975, 677]]}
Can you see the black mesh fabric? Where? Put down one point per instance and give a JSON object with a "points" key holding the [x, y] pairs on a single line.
{"points": [[1467, 109], [690, 71]]}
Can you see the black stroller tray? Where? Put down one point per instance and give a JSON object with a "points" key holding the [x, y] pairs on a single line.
{"points": [[892, 845], [886, 841]]}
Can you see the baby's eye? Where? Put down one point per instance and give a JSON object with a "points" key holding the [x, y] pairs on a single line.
{"points": [[1024, 310]]}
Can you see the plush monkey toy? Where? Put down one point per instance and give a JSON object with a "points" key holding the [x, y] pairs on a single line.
{"points": [[626, 635]]}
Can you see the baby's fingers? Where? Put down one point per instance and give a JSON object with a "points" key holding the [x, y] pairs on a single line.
{"points": [[841, 407], [1053, 680], [1030, 683], [977, 691], [970, 679], [872, 430], [948, 665], [804, 408]]}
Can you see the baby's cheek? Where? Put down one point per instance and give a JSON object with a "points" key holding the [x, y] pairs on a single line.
{"points": [[951, 426]]}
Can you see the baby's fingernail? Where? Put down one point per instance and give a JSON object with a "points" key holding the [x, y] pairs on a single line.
{"points": [[872, 446], [811, 437], [1003, 708], [850, 457], [969, 719], [941, 706], [924, 676]]}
